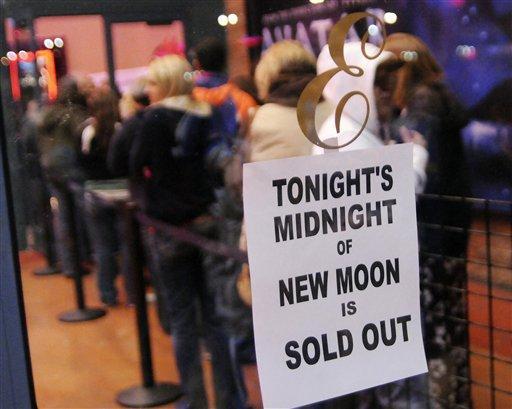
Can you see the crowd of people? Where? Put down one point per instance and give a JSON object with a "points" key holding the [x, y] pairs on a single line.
{"points": [[181, 134]]}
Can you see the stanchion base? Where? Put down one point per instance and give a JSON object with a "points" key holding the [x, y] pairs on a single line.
{"points": [[86, 314], [47, 271], [142, 397]]}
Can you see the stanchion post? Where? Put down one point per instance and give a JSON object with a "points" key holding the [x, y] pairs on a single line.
{"points": [[49, 242], [82, 313], [150, 393], [133, 235]]}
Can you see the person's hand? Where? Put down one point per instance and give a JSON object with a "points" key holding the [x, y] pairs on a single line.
{"points": [[243, 285], [410, 135]]}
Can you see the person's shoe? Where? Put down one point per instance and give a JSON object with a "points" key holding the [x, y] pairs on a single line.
{"points": [[83, 272], [109, 302]]}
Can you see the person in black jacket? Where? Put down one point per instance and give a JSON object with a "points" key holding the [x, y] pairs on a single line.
{"points": [[37, 194], [131, 109], [102, 221], [167, 163], [58, 144]]}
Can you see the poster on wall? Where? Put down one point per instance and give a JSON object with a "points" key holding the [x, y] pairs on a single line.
{"points": [[333, 255], [310, 24], [473, 49]]}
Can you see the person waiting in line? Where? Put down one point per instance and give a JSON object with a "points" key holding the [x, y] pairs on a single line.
{"points": [[208, 59], [232, 99], [425, 104], [132, 105], [38, 195], [374, 87], [58, 142], [103, 222], [230, 117], [381, 83], [231, 110], [231, 105], [167, 161], [281, 75], [131, 110], [87, 88]]}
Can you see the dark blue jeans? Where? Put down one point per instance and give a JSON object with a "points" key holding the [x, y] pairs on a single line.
{"points": [[103, 232], [241, 352], [67, 217], [190, 307]]}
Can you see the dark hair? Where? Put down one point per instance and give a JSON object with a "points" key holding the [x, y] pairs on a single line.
{"points": [[105, 110], [384, 74], [69, 93], [496, 105], [211, 54]]}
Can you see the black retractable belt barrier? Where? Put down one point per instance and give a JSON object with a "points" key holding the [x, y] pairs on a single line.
{"points": [[187, 236], [82, 313], [149, 393]]}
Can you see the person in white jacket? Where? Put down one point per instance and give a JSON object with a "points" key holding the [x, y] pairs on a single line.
{"points": [[354, 113]]}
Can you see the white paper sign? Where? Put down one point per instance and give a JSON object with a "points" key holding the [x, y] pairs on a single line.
{"points": [[333, 254]]}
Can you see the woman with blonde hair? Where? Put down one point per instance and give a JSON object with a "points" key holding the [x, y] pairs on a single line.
{"points": [[167, 163], [281, 75]]}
